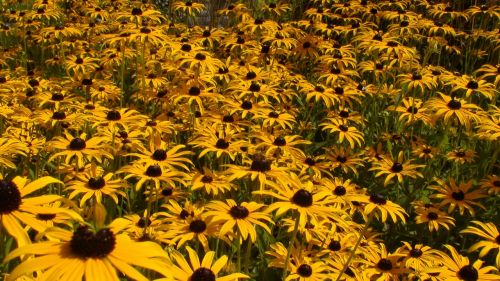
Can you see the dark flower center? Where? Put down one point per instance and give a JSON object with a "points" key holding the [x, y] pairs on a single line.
{"points": [[273, 114], [309, 161], [223, 70], [459, 195], [10, 197], [240, 40], [189, 3], [87, 244], [59, 115], [397, 167], [186, 47], [136, 11], [203, 274], [392, 44], [339, 90], [45, 217], [384, 264], [339, 190], [453, 104], [194, 91], [319, 89], [415, 253], [79, 61], [222, 144], [206, 33], [343, 128], [260, 164], [57, 97], [378, 199], [341, 159], [334, 245], [197, 226], [426, 150], [304, 270], [306, 45], [254, 87], [159, 155], [412, 109], [77, 144], [246, 105], [432, 216], [416, 76], [379, 66], [145, 30], [473, 85], [272, 5], [279, 141], [167, 192], [113, 115], [496, 183], [239, 212], [251, 75], [302, 198], [184, 214], [468, 273], [335, 71], [344, 114], [200, 56], [206, 179], [404, 23], [460, 154], [143, 222], [497, 239], [228, 119], [96, 183], [153, 171]]}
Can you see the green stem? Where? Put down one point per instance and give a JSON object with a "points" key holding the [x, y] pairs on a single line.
{"points": [[346, 265]]}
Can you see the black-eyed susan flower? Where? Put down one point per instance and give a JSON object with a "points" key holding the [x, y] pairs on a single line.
{"points": [[89, 254], [458, 196], [396, 168], [490, 239], [433, 217], [244, 217], [383, 208], [458, 267]]}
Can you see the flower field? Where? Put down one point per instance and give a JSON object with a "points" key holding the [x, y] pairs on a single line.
{"points": [[249, 140]]}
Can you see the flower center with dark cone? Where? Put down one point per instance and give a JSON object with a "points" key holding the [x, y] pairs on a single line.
{"points": [[397, 167], [246, 105], [306, 45], [183, 214], [194, 91], [379, 66], [228, 119], [189, 3], [273, 114], [79, 61], [473, 85], [136, 11], [87, 244], [349, 272], [159, 155], [260, 164], [96, 183], [272, 5], [222, 144], [309, 161], [496, 183], [453, 104], [412, 109], [167, 191], [153, 171], [258, 21], [223, 70], [77, 144], [341, 159], [373, 11], [200, 56], [392, 44], [468, 273], [404, 23], [197, 226], [460, 154], [45, 217], [459, 196], [143, 222], [145, 30], [334, 245], [10, 197], [206, 179], [384, 264], [254, 87], [251, 75], [302, 198], [344, 114], [89, 106], [497, 239], [339, 90], [416, 76], [339, 190], [343, 128], [186, 47], [57, 97], [335, 71], [304, 270], [415, 253], [378, 199], [59, 115], [319, 89], [206, 33], [432, 216], [279, 141], [113, 115], [203, 274], [239, 212], [240, 40]]}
